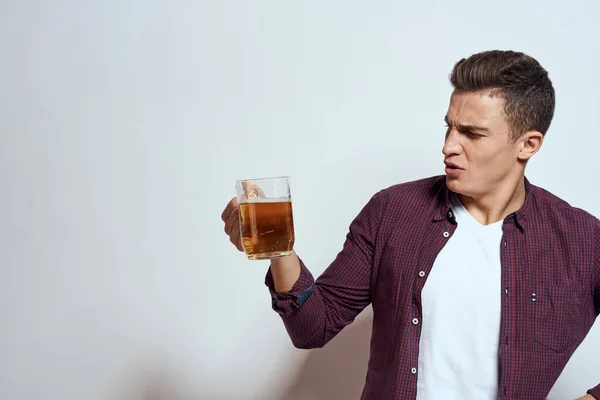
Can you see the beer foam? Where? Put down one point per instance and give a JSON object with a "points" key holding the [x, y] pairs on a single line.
{"points": [[265, 200]]}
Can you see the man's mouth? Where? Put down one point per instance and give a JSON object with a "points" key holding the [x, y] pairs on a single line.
{"points": [[452, 165]]}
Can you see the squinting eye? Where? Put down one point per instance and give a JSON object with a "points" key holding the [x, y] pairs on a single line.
{"points": [[472, 135]]}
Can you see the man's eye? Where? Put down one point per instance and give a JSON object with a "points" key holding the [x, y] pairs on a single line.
{"points": [[472, 135]]}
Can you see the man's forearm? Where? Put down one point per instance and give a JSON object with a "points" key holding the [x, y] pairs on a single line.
{"points": [[285, 272]]}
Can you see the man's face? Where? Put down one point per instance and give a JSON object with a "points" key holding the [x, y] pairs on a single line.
{"points": [[477, 151]]}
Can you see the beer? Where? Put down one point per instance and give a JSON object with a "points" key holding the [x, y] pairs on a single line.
{"points": [[267, 228], [266, 223]]}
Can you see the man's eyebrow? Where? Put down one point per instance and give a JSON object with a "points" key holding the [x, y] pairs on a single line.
{"points": [[467, 127]]}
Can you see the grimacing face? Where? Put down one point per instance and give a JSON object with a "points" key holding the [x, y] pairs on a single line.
{"points": [[480, 158]]}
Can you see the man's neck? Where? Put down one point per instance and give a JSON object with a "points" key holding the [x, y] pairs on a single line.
{"points": [[493, 207]]}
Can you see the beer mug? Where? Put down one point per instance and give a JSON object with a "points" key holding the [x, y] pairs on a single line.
{"points": [[266, 221]]}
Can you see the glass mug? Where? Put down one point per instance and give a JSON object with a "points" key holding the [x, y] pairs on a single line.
{"points": [[266, 221]]}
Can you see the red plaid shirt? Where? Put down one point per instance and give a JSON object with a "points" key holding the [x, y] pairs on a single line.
{"points": [[550, 255]]}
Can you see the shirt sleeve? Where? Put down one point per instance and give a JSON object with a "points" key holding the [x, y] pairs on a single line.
{"points": [[313, 312], [596, 390], [285, 303], [597, 267]]}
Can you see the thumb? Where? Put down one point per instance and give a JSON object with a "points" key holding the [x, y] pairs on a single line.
{"points": [[251, 190]]}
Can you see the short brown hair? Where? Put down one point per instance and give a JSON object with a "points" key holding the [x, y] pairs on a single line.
{"points": [[518, 78]]}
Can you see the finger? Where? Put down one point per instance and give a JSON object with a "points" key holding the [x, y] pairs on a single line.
{"points": [[236, 238], [252, 190], [232, 205], [232, 221]]}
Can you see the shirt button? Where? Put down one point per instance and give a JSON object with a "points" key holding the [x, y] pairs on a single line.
{"points": [[413, 370], [446, 234], [449, 214], [415, 321], [422, 274]]}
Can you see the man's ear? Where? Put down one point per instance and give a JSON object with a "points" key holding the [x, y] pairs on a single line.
{"points": [[529, 144]]}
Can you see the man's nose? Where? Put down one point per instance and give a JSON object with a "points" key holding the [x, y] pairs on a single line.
{"points": [[451, 143]]}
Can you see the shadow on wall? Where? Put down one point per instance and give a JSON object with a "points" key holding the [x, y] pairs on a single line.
{"points": [[334, 372], [338, 370]]}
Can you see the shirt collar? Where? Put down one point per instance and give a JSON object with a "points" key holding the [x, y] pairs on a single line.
{"points": [[444, 209]]}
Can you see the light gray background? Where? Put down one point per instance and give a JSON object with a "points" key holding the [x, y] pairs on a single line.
{"points": [[124, 124]]}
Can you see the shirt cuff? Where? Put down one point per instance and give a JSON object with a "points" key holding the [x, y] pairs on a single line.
{"points": [[286, 303], [595, 391]]}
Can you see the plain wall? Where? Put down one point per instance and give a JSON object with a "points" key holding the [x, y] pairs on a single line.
{"points": [[124, 124]]}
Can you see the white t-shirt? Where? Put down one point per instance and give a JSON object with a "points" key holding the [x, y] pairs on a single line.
{"points": [[458, 349]]}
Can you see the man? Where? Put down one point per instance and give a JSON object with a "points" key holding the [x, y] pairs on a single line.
{"points": [[482, 284]]}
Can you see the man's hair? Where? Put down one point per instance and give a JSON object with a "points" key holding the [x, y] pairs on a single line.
{"points": [[517, 78]]}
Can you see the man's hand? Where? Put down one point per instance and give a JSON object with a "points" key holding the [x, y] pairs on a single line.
{"points": [[231, 218], [285, 270], [587, 397]]}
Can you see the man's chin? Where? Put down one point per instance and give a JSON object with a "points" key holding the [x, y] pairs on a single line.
{"points": [[451, 180], [453, 183]]}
